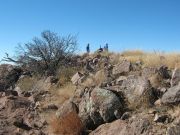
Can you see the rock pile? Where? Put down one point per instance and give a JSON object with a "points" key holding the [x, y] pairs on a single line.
{"points": [[118, 104], [127, 99]]}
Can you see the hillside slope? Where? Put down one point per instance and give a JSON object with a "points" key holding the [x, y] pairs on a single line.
{"points": [[108, 94]]}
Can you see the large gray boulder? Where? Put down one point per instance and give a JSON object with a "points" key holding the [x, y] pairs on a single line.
{"points": [[149, 71], [99, 106], [161, 70], [175, 79], [172, 96], [137, 90]]}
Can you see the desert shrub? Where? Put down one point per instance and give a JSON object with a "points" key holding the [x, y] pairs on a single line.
{"points": [[34, 83], [70, 124], [65, 74], [44, 55], [27, 83]]}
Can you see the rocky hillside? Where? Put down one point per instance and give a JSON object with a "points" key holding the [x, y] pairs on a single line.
{"points": [[104, 97]]}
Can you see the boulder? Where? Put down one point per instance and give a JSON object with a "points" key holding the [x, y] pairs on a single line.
{"points": [[77, 78], [175, 77], [114, 128], [120, 127], [164, 72], [121, 68], [99, 106], [138, 91], [17, 113], [172, 96], [149, 71], [161, 70], [66, 108]]}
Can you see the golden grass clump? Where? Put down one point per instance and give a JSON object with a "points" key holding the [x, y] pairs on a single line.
{"points": [[66, 91], [63, 93], [132, 53], [67, 125], [175, 111], [171, 60], [132, 56], [95, 80], [66, 73]]}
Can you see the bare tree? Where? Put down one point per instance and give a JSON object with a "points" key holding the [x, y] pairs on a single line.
{"points": [[45, 54]]}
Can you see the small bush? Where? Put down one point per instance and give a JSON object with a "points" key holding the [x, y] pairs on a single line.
{"points": [[65, 73], [27, 83], [68, 125], [45, 54]]}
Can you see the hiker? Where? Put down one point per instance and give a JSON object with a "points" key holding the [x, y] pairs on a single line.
{"points": [[88, 48], [106, 47], [100, 49]]}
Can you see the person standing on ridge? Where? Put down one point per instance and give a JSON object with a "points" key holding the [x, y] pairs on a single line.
{"points": [[106, 46], [100, 49]]}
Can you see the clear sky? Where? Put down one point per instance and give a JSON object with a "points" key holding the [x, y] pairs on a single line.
{"points": [[124, 24]]}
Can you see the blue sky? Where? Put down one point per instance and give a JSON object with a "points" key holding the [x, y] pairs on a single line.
{"points": [[124, 24]]}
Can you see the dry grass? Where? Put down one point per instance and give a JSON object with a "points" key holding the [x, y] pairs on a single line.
{"points": [[132, 53], [104, 54], [67, 125], [95, 80], [66, 92], [61, 94], [148, 59], [60, 126], [65, 74], [171, 60], [175, 111], [156, 80]]}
